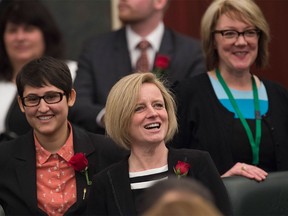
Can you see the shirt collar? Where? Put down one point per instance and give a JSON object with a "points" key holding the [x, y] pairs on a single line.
{"points": [[154, 38], [66, 151]]}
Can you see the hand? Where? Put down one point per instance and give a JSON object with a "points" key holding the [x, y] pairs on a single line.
{"points": [[247, 170]]}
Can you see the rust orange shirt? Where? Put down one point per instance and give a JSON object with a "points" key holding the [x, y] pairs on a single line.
{"points": [[56, 182]]}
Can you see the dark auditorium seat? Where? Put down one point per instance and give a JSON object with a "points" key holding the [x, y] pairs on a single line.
{"points": [[249, 197]]}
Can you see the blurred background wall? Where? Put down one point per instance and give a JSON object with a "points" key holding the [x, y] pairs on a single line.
{"points": [[80, 20]]}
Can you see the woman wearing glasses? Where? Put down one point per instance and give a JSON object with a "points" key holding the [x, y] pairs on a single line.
{"points": [[240, 119], [48, 170], [26, 34]]}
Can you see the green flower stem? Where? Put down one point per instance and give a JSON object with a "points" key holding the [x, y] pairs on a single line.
{"points": [[87, 177]]}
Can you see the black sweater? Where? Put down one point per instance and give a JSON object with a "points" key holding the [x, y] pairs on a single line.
{"points": [[204, 123]]}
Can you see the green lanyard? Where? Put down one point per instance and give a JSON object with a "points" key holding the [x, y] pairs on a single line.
{"points": [[254, 143]]}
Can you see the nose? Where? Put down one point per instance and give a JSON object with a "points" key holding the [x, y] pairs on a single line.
{"points": [[151, 112], [241, 40], [43, 106], [19, 34]]}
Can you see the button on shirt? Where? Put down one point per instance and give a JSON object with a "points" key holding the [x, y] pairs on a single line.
{"points": [[56, 182]]}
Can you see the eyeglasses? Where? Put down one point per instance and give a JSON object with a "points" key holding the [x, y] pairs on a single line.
{"points": [[49, 98], [249, 34]]}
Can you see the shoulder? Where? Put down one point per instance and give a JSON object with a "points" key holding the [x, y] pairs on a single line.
{"points": [[198, 159], [15, 147], [117, 170], [276, 92], [182, 39], [7, 147], [105, 39], [188, 86], [272, 85], [81, 135], [7, 152], [182, 44], [189, 154]]}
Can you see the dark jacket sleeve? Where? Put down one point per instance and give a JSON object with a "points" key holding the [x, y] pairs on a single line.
{"points": [[209, 176]]}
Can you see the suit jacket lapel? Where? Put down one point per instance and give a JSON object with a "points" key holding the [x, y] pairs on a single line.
{"points": [[81, 143], [119, 180], [167, 44], [172, 161], [167, 48], [25, 165], [121, 54], [178, 155]]}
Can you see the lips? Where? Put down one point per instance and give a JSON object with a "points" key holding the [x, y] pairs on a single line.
{"points": [[152, 126], [46, 117], [240, 53]]}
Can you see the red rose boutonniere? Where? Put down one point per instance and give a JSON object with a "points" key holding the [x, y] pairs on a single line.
{"points": [[161, 64], [181, 169], [80, 163]]}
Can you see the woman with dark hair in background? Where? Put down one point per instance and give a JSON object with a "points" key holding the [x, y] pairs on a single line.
{"points": [[28, 31]]}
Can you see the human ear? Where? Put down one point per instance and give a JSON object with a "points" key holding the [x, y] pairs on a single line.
{"points": [[72, 98], [20, 104]]}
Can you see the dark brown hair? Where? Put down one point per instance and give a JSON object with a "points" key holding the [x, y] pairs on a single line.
{"points": [[29, 12], [45, 71]]}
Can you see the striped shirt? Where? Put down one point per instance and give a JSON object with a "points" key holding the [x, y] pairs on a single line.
{"points": [[244, 99], [139, 181]]}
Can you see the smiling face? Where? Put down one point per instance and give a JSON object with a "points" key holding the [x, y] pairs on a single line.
{"points": [[47, 119], [235, 54], [149, 123], [23, 42]]}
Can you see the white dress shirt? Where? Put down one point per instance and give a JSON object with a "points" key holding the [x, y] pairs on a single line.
{"points": [[154, 38]]}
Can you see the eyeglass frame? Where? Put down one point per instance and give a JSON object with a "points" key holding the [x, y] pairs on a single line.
{"points": [[222, 32], [43, 97]]}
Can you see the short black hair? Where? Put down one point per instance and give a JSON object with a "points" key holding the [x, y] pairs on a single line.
{"points": [[45, 71]]}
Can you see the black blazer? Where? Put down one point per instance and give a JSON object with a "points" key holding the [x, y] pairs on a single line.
{"points": [[15, 122], [111, 193], [106, 59], [18, 193]]}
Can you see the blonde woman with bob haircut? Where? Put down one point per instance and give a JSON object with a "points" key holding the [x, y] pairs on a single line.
{"points": [[117, 123], [140, 116], [238, 117]]}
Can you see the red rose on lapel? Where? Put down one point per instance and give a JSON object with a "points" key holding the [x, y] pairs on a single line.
{"points": [[80, 163], [161, 64], [181, 169]]}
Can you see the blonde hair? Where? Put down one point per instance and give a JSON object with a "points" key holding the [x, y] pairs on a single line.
{"points": [[121, 102], [183, 206], [244, 10]]}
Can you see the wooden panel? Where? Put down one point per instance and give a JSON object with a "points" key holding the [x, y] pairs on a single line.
{"points": [[185, 16]]}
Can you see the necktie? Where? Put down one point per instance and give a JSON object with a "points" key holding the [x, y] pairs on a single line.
{"points": [[142, 64]]}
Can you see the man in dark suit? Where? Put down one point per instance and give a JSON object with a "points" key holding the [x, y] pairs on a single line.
{"points": [[110, 56], [48, 170]]}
